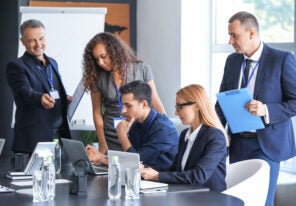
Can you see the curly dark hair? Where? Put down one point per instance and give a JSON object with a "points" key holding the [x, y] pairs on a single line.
{"points": [[117, 50]]}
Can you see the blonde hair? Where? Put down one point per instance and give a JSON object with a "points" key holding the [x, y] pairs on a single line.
{"points": [[207, 114]]}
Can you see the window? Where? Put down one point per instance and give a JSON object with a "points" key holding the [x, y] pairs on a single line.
{"points": [[277, 29]]}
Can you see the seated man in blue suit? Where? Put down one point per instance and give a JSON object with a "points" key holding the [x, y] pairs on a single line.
{"points": [[272, 82], [144, 130], [38, 91]]}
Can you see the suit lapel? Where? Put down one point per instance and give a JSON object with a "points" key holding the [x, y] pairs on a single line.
{"points": [[32, 66], [181, 152], [195, 145], [262, 69], [235, 69]]}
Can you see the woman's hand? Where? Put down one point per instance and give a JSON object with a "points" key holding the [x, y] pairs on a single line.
{"points": [[95, 156], [149, 174]]}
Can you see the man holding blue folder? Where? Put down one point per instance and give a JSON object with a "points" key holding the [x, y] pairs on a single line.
{"points": [[271, 80]]}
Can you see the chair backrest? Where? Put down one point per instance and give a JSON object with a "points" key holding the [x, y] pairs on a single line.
{"points": [[248, 180]]}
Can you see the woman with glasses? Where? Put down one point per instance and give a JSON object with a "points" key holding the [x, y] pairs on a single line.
{"points": [[201, 157], [108, 64]]}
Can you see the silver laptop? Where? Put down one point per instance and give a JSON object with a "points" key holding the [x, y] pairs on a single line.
{"points": [[42, 149], [75, 151], [132, 160], [126, 160]]}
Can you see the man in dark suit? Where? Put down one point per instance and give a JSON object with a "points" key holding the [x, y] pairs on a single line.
{"points": [[272, 83], [39, 94]]}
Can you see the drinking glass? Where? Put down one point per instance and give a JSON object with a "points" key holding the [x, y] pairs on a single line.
{"points": [[40, 191], [132, 183]]}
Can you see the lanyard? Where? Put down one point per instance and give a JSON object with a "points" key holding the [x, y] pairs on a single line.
{"points": [[49, 78], [117, 90], [243, 67], [149, 124]]}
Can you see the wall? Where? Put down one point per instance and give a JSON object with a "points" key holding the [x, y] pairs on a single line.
{"points": [[9, 42], [159, 44], [177, 47]]}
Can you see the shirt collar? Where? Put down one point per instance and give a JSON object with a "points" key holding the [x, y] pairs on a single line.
{"points": [[191, 135], [37, 61], [256, 56], [151, 114]]}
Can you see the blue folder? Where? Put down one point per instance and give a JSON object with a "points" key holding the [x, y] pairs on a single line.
{"points": [[233, 104]]}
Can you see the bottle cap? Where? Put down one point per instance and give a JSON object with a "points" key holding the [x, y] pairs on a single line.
{"points": [[56, 140], [48, 158], [114, 158]]}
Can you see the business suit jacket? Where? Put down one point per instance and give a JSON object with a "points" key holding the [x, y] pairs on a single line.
{"points": [[275, 86], [33, 123], [205, 166]]}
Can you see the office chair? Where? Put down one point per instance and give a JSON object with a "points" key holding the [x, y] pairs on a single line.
{"points": [[248, 180]]}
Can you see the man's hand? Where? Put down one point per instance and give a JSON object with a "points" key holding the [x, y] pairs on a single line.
{"points": [[256, 108], [47, 101], [69, 99], [122, 129]]}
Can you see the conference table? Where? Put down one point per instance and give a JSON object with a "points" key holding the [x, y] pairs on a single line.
{"points": [[97, 195]]}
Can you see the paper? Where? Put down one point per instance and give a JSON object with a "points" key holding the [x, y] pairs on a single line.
{"points": [[76, 98], [151, 184], [239, 119], [30, 183]]}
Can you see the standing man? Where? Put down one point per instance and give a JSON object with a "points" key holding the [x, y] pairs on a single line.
{"points": [[39, 94], [144, 130], [272, 82]]}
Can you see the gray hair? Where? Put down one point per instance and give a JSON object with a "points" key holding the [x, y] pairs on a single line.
{"points": [[246, 19], [31, 23]]}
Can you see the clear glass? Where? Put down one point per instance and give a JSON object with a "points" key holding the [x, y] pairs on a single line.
{"points": [[40, 190], [132, 183], [57, 157], [49, 170], [114, 179]]}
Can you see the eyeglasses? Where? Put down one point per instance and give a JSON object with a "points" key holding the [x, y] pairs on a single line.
{"points": [[179, 107]]}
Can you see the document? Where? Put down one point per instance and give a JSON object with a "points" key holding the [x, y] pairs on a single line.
{"points": [[76, 98], [233, 104]]}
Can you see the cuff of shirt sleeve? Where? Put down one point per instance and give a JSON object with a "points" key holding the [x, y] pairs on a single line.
{"points": [[266, 117], [131, 149]]}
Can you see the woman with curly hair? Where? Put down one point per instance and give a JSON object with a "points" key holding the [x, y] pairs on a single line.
{"points": [[109, 63]]}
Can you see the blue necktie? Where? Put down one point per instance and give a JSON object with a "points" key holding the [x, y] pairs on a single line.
{"points": [[246, 73]]}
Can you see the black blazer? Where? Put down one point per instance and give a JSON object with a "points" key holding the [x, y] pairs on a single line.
{"points": [[33, 123], [206, 163]]}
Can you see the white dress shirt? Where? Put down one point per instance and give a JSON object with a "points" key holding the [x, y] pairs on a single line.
{"points": [[189, 138], [255, 58]]}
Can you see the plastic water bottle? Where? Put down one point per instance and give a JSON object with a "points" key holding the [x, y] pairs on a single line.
{"points": [[49, 169], [57, 156], [114, 184]]}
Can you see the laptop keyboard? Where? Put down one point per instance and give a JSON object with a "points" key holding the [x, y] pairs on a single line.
{"points": [[100, 168]]}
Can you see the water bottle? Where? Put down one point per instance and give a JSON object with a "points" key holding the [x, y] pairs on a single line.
{"points": [[114, 184], [49, 169], [57, 156]]}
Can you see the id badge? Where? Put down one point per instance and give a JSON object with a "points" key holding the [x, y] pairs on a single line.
{"points": [[54, 94], [116, 121]]}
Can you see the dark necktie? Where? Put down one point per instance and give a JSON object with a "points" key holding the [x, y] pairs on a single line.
{"points": [[246, 73]]}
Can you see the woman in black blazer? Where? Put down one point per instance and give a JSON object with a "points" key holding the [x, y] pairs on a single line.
{"points": [[201, 158]]}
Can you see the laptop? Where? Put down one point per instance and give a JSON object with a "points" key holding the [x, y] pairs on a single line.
{"points": [[132, 160], [75, 151], [42, 149], [126, 160]]}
